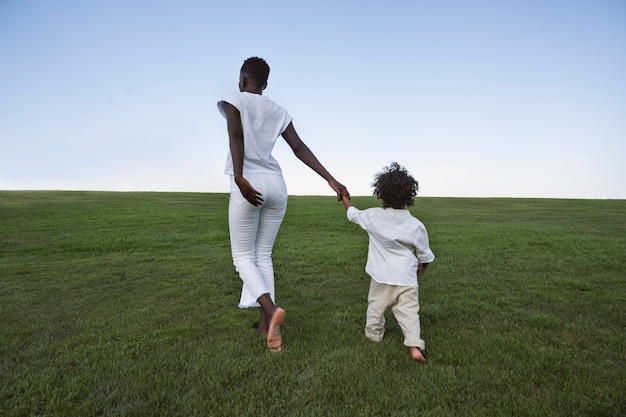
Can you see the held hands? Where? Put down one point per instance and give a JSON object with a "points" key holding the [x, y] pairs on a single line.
{"points": [[339, 188], [342, 192], [421, 269], [248, 192]]}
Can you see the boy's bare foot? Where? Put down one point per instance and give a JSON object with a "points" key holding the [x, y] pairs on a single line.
{"points": [[274, 338], [416, 354]]}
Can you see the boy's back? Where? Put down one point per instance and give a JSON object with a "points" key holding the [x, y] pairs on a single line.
{"points": [[397, 243]]}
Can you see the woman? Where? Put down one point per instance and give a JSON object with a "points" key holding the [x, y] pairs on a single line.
{"points": [[258, 197]]}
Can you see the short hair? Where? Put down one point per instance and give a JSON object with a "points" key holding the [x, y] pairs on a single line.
{"points": [[395, 186], [257, 69]]}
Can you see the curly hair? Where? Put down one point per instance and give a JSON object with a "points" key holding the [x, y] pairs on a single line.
{"points": [[395, 187], [256, 68]]}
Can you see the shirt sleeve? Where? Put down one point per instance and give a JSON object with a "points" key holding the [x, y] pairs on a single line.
{"points": [[230, 99], [357, 216], [422, 247]]}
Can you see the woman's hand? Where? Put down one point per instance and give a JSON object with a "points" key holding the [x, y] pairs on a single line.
{"points": [[339, 188], [248, 192]]}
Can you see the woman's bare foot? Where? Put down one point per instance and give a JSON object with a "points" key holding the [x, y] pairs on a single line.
{"points": [[263, 324], [274, 338], [416, 354], [260, 328]]}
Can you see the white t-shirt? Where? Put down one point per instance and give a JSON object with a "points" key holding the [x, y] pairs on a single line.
{"points": [[397, 243], [263, 121]]}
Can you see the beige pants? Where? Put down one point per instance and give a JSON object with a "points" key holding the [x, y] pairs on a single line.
{"points": [[405, 307]]}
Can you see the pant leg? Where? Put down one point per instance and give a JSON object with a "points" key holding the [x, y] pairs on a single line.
{"points": [[271, 217], [379, 299], [243, 219], [406, 312], [250, 226]]}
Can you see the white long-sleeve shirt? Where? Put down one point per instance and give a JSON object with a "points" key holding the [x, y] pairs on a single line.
{"points": [[398, 242], [263, 121]]}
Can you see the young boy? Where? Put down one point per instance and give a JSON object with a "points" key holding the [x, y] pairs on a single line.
{"points": [[398, 253]]}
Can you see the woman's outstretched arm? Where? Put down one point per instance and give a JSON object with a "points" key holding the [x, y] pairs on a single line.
{"points": [[305, 154]]}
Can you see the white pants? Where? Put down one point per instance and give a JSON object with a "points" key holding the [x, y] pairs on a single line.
{"points": [[405, 307], [253, 231]]}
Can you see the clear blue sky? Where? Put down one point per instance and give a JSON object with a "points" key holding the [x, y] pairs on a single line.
{"points": [[478, 98]]}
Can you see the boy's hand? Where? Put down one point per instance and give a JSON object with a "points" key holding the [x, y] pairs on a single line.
{"points": [[421, 269]]}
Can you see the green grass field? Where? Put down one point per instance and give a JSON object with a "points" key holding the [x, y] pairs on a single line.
{"points": [[124, 304]]}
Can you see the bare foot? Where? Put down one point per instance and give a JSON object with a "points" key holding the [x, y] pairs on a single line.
{"points": [[274, 338], [260, 328], [416, 354]]}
